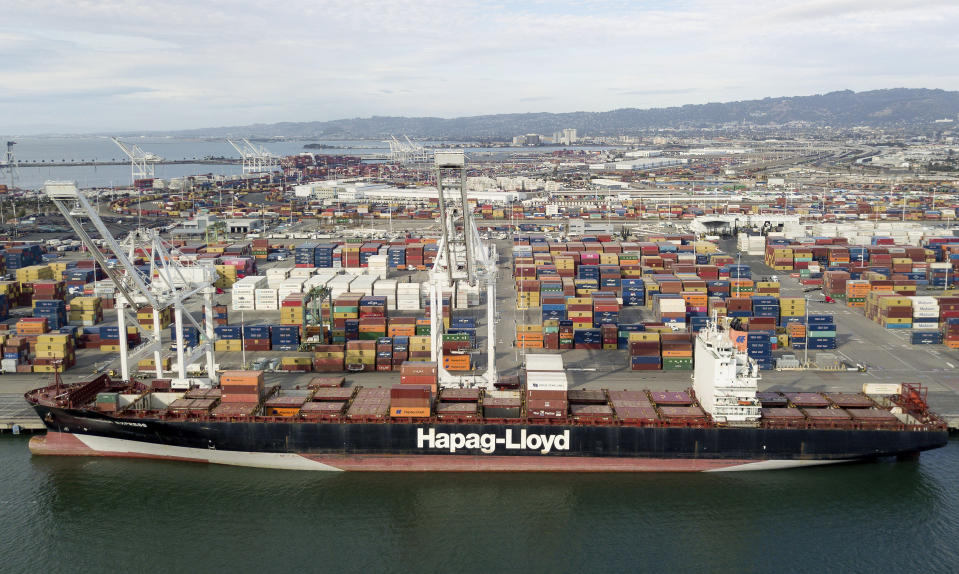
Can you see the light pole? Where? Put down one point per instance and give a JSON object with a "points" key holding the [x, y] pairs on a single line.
{"points": [[242, 339], [805, 358]]}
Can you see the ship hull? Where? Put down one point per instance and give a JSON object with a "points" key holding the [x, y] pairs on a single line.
{"points": [[467, 447]]}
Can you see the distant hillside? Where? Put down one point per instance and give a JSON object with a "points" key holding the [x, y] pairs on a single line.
{"points": [[895, 107]]}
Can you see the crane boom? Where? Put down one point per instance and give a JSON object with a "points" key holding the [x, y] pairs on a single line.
{"points": [[167, 285]]}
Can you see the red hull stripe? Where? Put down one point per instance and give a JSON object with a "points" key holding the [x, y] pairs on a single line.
{"points": [[67, 444]]}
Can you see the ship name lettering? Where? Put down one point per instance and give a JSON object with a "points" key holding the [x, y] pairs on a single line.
{"points": [[487, 442]]}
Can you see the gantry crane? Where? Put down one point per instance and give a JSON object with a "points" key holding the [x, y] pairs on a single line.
{"points": [[463, 256], [142, 163], [256, 159], [168, 283]]}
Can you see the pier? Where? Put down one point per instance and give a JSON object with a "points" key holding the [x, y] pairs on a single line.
{"points": [[15, 412]]}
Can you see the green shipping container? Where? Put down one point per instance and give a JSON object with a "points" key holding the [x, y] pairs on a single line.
{"points": [[677, 364]]}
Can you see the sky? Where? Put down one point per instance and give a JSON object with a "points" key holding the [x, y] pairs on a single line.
{"points": [[80, 66]]}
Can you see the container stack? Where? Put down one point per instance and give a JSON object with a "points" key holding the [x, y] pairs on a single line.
{"points": [[21, 256], [384, 354], [759, 348], [53, 310], [672, 310], [145, 317], [677, 352], [266, 299], [256, 337], [285, 337], [297, 363], [925, 313], [361, 355], [229, 338], [290, 286], [950, 332], [372, 318], [287, 404], [54, 352], [226, 276], [527, 294], [370, 404], [857, 290], [386, 288], [410, 401], [633, 407], [275, 276], [893, 312], [644, 351], [191, 335], [419, 373], [85, 311], [260, 249], [244, 292], [606, 311], [240, 391], [16, 354], [376, 266], [110, 338], [834, 283], [821, 332], [328, 358], [293, 310], [396, 256], [420, 348], [408, 296], [220, 316], [791, 310], [415, 255], [304, 255], [580, 311]]}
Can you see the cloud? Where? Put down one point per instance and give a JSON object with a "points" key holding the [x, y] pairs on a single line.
{"points": [[183, 64]]}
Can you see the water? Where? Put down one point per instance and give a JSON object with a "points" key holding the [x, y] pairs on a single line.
{"points": [[96, 515], [54, 150]]}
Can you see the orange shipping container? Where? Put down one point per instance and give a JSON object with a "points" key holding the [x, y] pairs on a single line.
{"points": [[412, 412], [241, 378]]}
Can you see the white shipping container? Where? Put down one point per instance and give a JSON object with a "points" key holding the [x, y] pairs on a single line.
{"points": [[881, 388], [546, 381], [550, 362]]}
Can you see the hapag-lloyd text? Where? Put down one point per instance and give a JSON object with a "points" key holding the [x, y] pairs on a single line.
{"points": [[487, 442]]}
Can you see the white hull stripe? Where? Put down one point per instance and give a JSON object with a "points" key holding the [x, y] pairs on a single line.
{"points": [[289, 461], [774, 465], [284, 461]]}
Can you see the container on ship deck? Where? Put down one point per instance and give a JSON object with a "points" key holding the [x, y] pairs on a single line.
{"points": [[227, 410], [672, 413], [593, 412], [850, 400], [586, 396], [460, 395], [671, 397], [326, 382], [628, 396], [322, 409], [771, 399], [457, 410], [811, 400], [637, 414], [546, 408], [781, 413], [333, 394]]}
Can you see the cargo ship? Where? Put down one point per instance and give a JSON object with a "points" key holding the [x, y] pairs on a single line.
{"points": [[722, 423]]}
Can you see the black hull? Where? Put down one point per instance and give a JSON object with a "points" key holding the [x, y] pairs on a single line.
{"points": [[597, 443]]}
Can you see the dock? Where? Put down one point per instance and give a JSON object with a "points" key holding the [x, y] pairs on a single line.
{"points": [[15, 412]]}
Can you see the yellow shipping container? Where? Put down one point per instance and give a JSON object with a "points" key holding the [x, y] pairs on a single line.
{"points": [[34, 273]]}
